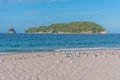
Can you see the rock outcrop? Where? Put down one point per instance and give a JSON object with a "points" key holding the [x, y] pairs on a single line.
{"points": [[11, 31]]}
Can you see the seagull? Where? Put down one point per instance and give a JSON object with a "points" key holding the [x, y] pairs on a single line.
{"points": [[58, 61], [1, 61], [95, 55], [104, 55]]}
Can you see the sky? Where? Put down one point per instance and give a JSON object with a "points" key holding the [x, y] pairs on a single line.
{"points": [[23, 14]]}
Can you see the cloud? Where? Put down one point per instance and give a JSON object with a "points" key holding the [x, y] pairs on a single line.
{"points": [[83, 13], [111, 22], [28, 1], [35, 11]]}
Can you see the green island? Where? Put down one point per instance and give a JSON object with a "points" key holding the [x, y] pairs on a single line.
{"points": [[69, 28]]}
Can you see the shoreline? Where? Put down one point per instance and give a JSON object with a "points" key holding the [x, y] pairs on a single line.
{"points": [[59, 50]]}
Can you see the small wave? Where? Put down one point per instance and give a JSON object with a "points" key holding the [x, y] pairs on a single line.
{"points": [[82, 49]]}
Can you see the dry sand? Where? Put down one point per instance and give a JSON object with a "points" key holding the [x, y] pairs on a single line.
{"points": [[71, 65]]}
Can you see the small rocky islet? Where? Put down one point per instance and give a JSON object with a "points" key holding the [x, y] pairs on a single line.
{"points": [[11, 31]]}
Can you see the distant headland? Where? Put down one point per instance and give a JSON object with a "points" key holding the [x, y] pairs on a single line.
{"points": [[69, 28]]}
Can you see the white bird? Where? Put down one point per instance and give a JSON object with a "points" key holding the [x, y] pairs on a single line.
{"points": [[95, 55], [1, 61], [104, 55], [68, 58], [58, 61]]}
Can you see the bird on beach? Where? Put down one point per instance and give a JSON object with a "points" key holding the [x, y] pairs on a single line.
{"points": [[20, 56], [95, 55], [59, 61], [78, 55], [1, 61], [85, 55], [68, 58], [33, 55], [104, 55]]}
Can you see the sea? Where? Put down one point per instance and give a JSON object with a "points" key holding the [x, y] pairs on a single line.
{"points": [[20, 42]]}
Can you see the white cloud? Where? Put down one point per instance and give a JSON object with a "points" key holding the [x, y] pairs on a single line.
{"points": [[111, 22], [20, 1], [83, 13]]}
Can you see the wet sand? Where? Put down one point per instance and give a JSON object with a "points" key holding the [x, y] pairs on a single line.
{"points": [[70, 65]]}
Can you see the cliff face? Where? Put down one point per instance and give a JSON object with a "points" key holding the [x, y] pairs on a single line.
{"points": [[11, 31]]}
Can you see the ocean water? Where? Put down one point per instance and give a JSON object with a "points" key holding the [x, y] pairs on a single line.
{"points": [[57, 42]]}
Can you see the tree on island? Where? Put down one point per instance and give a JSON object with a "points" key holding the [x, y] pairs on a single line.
{"points": [[11, 31], [70, 28]]}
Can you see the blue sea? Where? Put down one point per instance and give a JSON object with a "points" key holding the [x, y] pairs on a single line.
{"points": [[57, 42]]}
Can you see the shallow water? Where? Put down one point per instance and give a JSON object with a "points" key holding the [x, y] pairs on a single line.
{"points": [[57, 42]]}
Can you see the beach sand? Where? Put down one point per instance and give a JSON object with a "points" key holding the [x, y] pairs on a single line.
{"points": [[69, 65]]}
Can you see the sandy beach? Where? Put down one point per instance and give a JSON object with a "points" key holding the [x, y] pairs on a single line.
{"points": [[69, 65]]}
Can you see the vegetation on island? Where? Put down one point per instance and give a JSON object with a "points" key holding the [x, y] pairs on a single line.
{"points": [[73, 27]]}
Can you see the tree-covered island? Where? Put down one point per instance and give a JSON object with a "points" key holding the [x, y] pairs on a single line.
{"points": [[70, 28]]}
